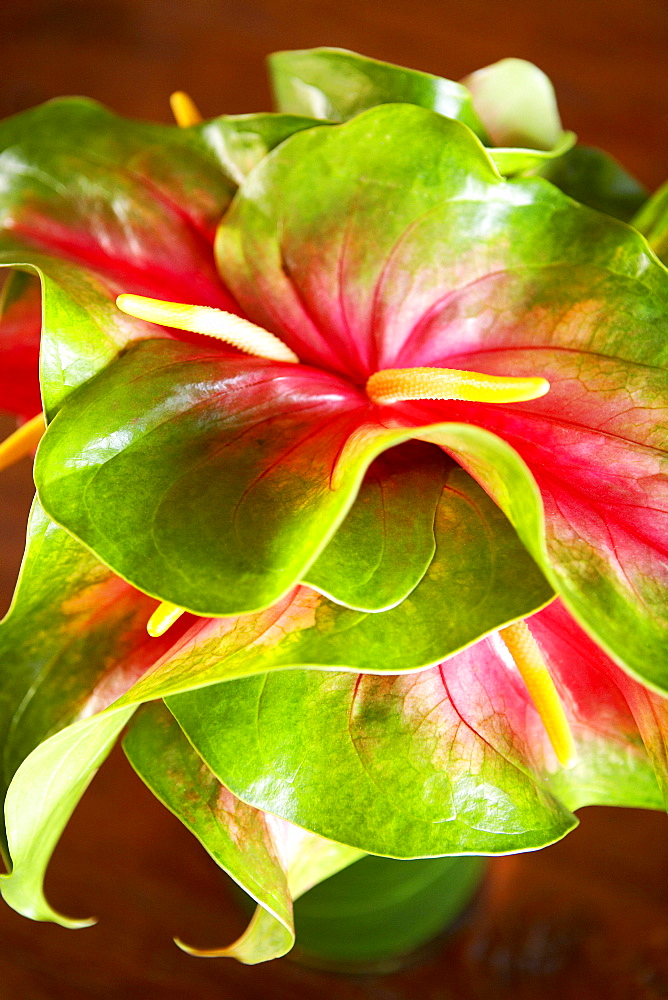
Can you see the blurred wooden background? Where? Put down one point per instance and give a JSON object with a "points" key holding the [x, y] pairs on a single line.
{"points": [[585, 918]]}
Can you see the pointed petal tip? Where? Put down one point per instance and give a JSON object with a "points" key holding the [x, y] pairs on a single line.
{"points": [[202, 952]]}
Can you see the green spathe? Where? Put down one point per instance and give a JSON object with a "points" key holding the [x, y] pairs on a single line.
{"points": [[510, 106], [336, 84], [272, 860], [152, 439], [652, 222], [382, 549], [360, 565], [305, 629], [446, 761], [473, 267]]}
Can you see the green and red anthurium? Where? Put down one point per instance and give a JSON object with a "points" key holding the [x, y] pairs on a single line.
{"points": [[215, 480], [350, 438], [448, 760], [509, 104]]}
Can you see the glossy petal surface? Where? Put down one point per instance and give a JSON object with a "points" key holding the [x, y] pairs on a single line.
{"points": [[517, 110], [82, 331], [596, 179], [448, 760], [73, 640], [100, 205], [136, 202], [337, 84], [20, 325], [223, 483], [228, 471], [274, 861], [318, 274], [477, 553], [74, 648], [213, 481], [385, 545], [504, 277]]}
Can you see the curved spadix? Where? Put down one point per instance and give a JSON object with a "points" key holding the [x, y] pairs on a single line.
{"points": [[397, 385], [225, 326]]}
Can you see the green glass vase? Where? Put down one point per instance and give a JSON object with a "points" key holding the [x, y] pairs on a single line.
{"points": [[380, 914]]}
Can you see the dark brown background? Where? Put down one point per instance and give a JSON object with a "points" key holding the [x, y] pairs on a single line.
{"points": [[585, 918]]}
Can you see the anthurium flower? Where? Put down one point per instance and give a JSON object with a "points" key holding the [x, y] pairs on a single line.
{"points": [[508, 105], [274, 860], [73, 642], [526, 115], [450, 759], [453, 759], [215, 480], [96, 204], [412, 400]]}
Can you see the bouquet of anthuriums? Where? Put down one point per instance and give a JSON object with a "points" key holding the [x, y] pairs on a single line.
{"points": [[352, 501]]}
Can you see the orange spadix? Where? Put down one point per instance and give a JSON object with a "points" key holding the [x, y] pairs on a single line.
{"points": [[396, 385], [184, 109]]}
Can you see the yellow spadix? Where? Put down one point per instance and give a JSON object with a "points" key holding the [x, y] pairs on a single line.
{"points": [[22, 441], [396, 385], [527, 656], [211, 322], [163, 618], [184, 109]]}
